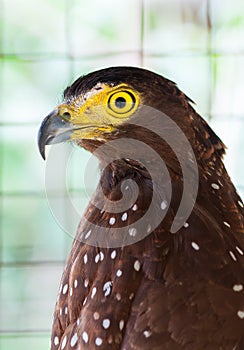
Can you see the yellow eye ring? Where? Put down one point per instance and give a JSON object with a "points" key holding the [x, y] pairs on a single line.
{"points": [[122, 103]]}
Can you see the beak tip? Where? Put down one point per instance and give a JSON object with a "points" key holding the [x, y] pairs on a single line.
{"points": [[42, 152], [41, 145], [43, 155]]}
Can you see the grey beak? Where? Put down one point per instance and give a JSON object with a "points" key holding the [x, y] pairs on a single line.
{"points": [[53, 129]]}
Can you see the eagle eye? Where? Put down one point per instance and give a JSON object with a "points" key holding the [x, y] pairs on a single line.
{"points": [[122, 103]]}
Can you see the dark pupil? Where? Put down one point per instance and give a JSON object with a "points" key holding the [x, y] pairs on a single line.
{"points": [[120, 102]]}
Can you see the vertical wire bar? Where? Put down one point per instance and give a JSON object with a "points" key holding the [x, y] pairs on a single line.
{"points": [[70, 59], [1, 128], [68, 25], [211, 58], [1, 149], [142, 28]]}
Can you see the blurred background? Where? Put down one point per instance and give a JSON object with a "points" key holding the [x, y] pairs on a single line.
{"points": [[44, 46]]}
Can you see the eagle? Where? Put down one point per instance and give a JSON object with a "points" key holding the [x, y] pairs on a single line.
{"points": [[158, 258]]}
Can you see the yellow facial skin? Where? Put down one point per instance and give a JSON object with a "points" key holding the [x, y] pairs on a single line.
{"points": [[100, 111]]}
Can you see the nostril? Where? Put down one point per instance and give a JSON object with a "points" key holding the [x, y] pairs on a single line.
{"points": [[66, 115]]}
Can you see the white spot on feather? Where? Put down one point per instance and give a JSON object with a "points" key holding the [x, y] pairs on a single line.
{"points": [[56, 341], [85, 337], [113, 254], [65, 288], [164, 204], [97, 258], [124, 217], [107, 288], [94, 290], [85, 258], [98, 341], [73, 340], [96, 316], [75, 283], [186, 224], [112, 220], [149, 228], [240, 314], [137, 265], [237, 287], [119, 273], [132, 231], [239, 250], [215, 186], [86, 283], [226, 224], [240, 204], [106, 323], [147, 334], [135, 207], [121, 324], [232, 255], [88, 234], [64, 342], [195, 245]]}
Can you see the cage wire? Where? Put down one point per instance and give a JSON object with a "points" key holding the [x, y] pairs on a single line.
{"points": [[44, 45]]}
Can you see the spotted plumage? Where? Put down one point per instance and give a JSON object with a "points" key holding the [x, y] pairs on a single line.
{"points": [[164, 291]]}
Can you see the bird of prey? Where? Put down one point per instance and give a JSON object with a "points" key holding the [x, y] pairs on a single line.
{"points": [[131, 281]]}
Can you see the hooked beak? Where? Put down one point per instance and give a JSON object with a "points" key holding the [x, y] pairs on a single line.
{"points": [[54, 129]]}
